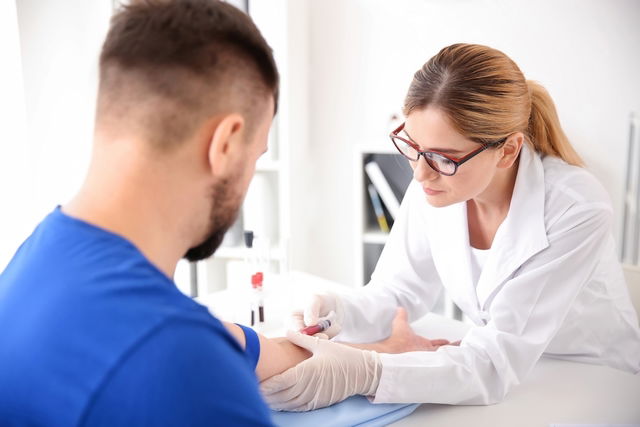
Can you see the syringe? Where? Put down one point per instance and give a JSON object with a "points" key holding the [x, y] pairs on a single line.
{"points": [[322, 326]]}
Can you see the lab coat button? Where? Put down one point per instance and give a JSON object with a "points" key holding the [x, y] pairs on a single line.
{"points": [[484, 315]]}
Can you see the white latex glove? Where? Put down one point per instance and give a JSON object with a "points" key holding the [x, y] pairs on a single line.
{"points": [[319, 307], [333, 373]]}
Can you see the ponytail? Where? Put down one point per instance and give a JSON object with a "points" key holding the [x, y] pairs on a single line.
{"points": [[545, 133]]}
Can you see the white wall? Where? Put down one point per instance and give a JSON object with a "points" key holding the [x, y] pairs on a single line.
{"points": [[13, 153], [59, 44], [363, 53]]}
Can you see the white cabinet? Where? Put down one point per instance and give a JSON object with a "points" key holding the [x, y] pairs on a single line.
{"points": [[369, 237]]}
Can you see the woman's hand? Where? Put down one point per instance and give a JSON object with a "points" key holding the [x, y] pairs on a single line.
{"points": [[320, 306], [403, 339]]}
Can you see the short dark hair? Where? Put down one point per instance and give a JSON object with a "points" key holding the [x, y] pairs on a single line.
{"points": [[168, 64]]}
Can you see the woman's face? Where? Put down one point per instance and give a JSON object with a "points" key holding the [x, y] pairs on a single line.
{"points": [[430, 130]]}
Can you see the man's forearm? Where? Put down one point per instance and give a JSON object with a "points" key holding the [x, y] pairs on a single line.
{"points": [[276, 354]]}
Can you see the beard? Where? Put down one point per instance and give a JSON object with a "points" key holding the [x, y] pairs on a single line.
{"points": [[224, 211]]}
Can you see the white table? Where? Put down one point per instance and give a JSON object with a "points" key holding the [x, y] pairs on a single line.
{"points": [[556, 392]]}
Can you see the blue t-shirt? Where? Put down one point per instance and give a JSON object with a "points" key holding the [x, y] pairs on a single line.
{"points": [[92, 333]]}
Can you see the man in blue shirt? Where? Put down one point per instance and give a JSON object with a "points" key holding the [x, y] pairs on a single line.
{"points": [[94, 331]]}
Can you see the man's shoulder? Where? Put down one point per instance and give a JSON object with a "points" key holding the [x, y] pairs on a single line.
{"points": [[79, 307]]}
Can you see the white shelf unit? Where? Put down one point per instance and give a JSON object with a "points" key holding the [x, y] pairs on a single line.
{"points": [[369, 239], [270, 184]]}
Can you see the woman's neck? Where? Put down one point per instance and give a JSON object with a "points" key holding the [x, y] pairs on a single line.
{"points": [[488, 210], [496, 198]]}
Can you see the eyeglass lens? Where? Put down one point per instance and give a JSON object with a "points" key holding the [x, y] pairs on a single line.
{"points": [[437, 162]]}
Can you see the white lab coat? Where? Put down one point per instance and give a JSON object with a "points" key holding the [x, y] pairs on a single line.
{"points": [[551, 285]]}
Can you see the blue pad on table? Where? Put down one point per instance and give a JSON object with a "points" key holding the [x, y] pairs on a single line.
{"points": [[354, 411]]}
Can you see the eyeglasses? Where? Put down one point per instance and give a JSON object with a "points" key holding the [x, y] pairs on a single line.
{"points": [[439, 162]]}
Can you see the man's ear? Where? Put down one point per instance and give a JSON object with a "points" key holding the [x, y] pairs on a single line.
{"points": [[511, 149], [226, 138]]}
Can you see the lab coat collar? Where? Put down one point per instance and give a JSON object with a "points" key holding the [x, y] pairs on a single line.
{"points": [[523, 233], [520, 236]]}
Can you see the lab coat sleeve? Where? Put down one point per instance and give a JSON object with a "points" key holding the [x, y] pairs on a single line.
{"points": [[525, 315], [404, 276]]}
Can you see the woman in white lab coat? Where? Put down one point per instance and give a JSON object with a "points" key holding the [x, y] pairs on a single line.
{"points": [[502, 215]]}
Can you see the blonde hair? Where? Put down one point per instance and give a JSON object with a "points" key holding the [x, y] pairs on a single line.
{"points": [[487, 98]]}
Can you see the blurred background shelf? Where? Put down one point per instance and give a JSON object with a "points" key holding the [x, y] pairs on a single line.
{"points": [[375, 237], [239, 252], [369, 237]]}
